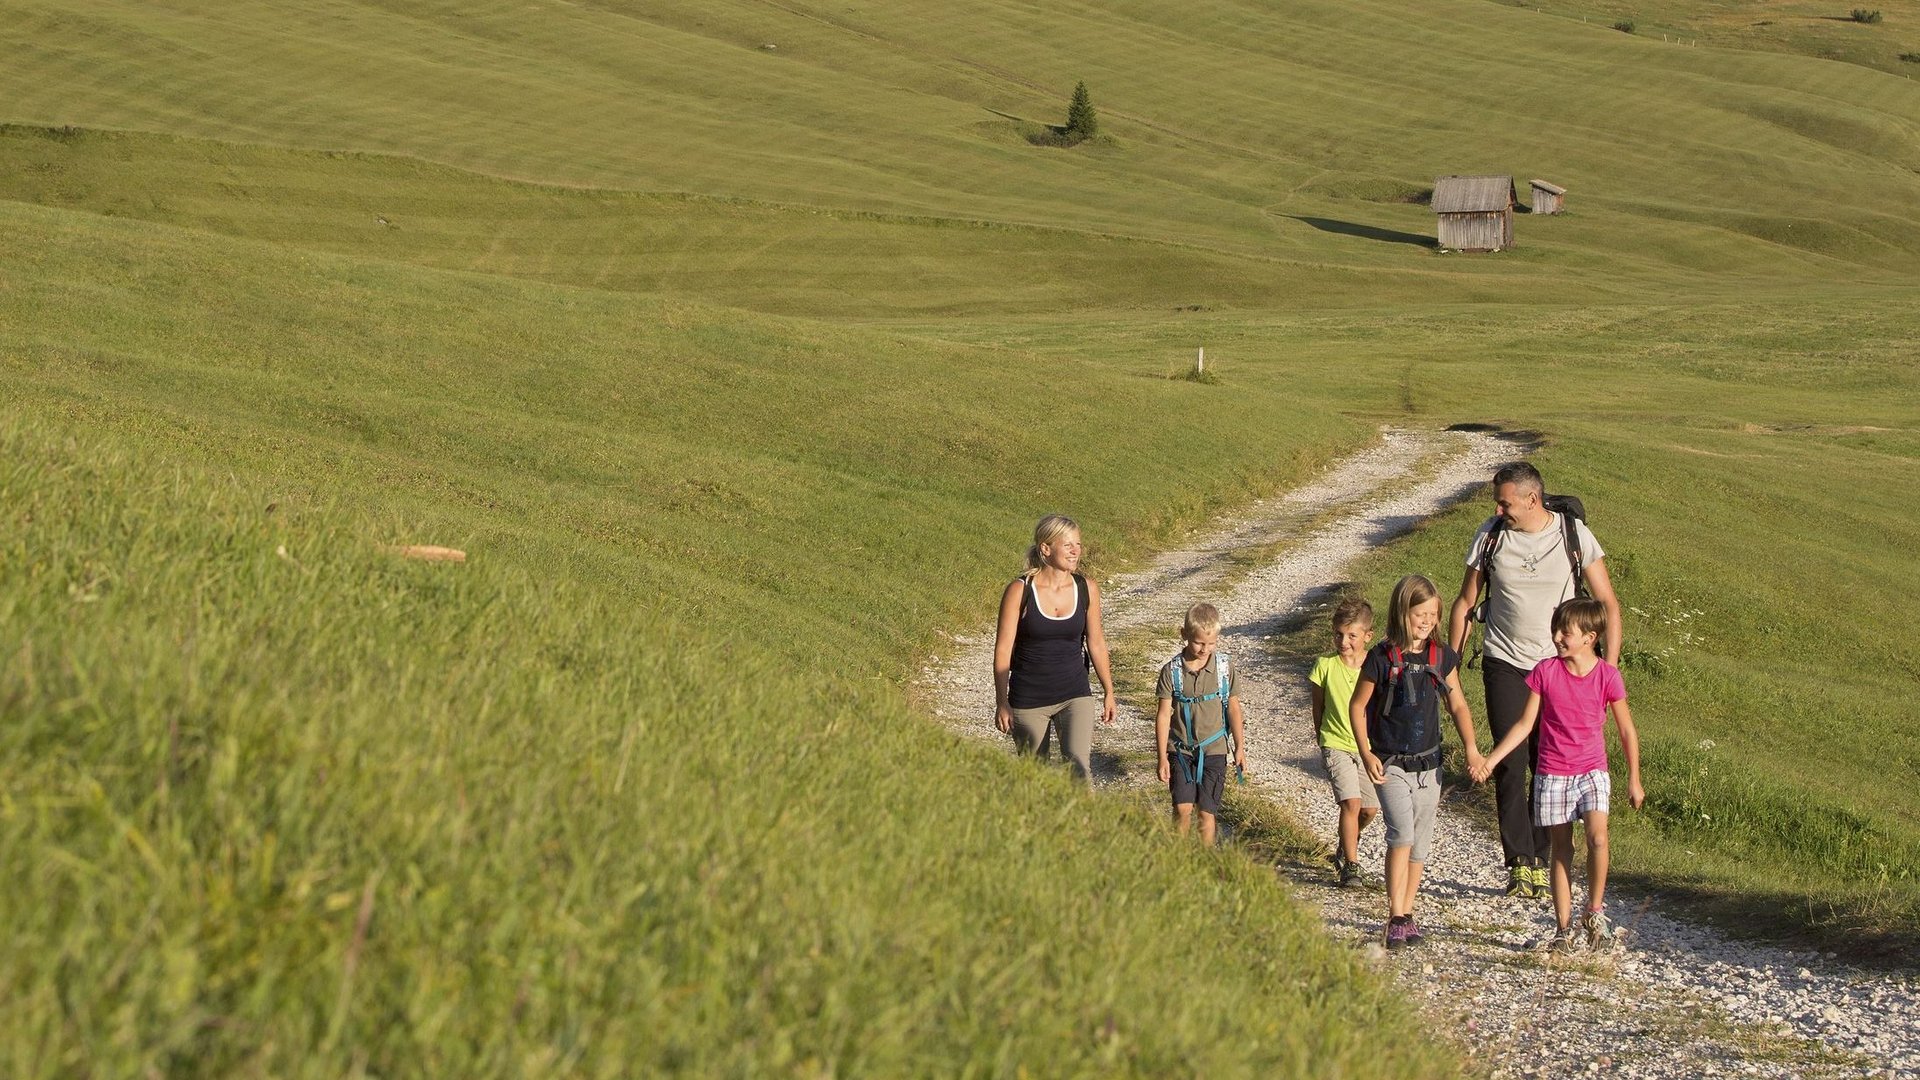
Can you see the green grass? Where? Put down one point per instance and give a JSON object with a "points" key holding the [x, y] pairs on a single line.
{"points": [[741, 373], [636, 788], [1801, 27]]}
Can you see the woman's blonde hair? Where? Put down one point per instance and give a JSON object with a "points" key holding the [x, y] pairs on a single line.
{"points": [[1048, 533], [1408, 593]]}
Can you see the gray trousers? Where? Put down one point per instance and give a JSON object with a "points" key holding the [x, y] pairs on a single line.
{"points": [[1072, 724]]}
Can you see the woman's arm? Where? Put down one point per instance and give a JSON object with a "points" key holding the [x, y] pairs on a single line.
{"points": [[1003, 654], [1097, 648]]}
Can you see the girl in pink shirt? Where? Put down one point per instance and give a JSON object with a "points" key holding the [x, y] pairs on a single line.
{"points": [[1572, 693]]}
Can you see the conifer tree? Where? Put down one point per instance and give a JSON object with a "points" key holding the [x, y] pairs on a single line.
{"points": [[1082, 122]]}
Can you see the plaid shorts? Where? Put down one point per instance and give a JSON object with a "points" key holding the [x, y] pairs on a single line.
{"points": [[1560, 799]]}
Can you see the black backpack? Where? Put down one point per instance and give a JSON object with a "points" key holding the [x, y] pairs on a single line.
{"points": [[1412, 739]]}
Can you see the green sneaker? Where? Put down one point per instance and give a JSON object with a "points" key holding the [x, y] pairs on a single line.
{"points": [[1542, 881], [1519, 882], [1600, 932]]}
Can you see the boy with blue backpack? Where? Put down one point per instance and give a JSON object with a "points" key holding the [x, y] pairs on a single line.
{"points": [[1199, 711]]}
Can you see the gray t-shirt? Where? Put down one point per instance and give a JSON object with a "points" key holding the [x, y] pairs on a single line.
{"points": [[1531, 577]]}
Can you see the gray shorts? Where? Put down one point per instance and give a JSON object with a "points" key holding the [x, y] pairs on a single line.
{"points": [[1350, 780], [1071, 723], [1409, 802]]}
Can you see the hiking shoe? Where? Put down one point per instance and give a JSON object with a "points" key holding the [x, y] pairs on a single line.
{"points": [[1414, 936], [1397, 928], [1519, 882], [1542, 881], [1563, 941], [1349, 875], [1600, 933]]}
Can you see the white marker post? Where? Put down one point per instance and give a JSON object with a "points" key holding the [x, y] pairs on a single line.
{"points": [[1200, 362]]}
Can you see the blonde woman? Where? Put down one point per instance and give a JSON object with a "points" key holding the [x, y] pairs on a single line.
{"points": [[1049, 634]]}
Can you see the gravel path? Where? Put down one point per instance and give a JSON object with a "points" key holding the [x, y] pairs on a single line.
{"points": [[1678, 1000]]}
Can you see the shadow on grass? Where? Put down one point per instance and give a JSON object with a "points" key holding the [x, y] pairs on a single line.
{"points": [[1785, 919], [1367, 232]]}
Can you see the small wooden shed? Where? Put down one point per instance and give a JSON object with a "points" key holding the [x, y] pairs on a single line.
{"points": [[1476, 212], [1548, 198]]}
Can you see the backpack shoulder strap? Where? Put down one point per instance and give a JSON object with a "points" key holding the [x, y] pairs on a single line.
{"points": [[1496, 527], [1226, 677], [1570, 528]]}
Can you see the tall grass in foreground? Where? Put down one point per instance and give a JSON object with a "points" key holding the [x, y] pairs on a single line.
{"points": [[280, 803], [635, 789]]}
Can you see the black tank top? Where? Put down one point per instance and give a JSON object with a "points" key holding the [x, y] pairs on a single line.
{"points": [[1049, 661]]}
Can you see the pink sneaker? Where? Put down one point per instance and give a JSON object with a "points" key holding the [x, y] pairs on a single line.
{"points": [[1398, 928]]}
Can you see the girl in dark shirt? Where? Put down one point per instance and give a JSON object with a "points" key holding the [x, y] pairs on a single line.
{"points": [[1049, 632]]}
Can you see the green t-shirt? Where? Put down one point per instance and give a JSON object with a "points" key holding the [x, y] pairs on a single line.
{"points": [[1336, 681]]}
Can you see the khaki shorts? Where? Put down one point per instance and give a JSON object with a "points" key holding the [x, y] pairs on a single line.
{"points": [[1349, 776]]}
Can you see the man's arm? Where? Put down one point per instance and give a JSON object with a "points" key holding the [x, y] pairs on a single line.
{"points": [[1600, 586], [1458, 624]]}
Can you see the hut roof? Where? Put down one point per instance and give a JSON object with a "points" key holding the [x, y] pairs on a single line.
{"points": [[1553, 189], [1472, 194]]}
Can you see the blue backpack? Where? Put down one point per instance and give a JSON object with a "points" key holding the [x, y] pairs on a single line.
{"points": [[1195, 767]]}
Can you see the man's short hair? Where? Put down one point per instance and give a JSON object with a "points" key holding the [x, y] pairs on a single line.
{"points": [[1582, 615], [1521, 474]]}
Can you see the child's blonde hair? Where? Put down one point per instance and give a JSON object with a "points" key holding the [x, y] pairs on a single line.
{"points": [[1047, 533], [1582, 614], [1353, 611], [1201, 619], [1408, 593]]}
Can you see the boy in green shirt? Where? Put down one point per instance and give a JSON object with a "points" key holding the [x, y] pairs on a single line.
{"points": [[1333, 679]]}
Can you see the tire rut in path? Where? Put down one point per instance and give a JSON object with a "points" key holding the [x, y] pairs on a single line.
{"points": [[1679, 1000]]}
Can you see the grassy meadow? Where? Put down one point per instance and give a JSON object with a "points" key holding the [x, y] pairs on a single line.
{"points": [[741, 373]]}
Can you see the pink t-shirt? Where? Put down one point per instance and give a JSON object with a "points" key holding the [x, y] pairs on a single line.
{"points": [[1573, 715]]}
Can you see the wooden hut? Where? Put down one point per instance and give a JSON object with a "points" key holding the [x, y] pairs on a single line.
{"points": [[1476, 212], [1548, 198]]}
